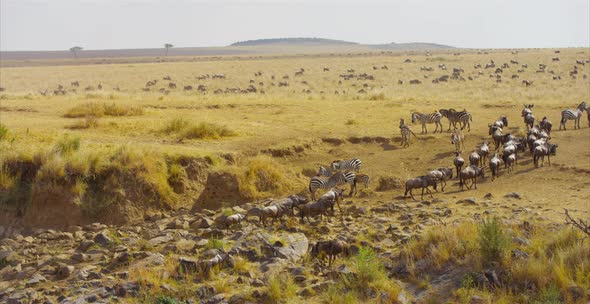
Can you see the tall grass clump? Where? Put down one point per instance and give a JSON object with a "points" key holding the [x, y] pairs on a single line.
{"points": [[184, 129], [175, 125], [493, 241], [67, 145], [3, 132], [94, 109], [205, 130], [264, 177], [87, 123], [280, 289]]}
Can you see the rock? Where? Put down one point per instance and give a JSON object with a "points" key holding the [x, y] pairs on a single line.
{"points": [[126, 289], [35, 280], [475, 299], [79, 257], [84, 245], [402, 298], [236, 299], [102, 239], [467, 201], [519, 254], [187, 265], [64, 271], [205, 292], [160, 240], [206, 222], [488, 195], [323, 286], [257, 283], [515, 195], [575, 291], [201, 243], [520, 241], [306, 292], [492, 277]]}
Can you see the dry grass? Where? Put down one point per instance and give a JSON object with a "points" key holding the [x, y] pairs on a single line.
{"points": [[102, 109]]}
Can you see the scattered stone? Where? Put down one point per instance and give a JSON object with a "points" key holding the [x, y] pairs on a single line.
{"points": [[64, 271], [515, 195], [475, 299], [467, 201], [488, 195], [102, 239], [126, 289], [520, 241], [35, 280], [187, 265], [84, 245], [160, 240], [519, 254], [576, 292]]}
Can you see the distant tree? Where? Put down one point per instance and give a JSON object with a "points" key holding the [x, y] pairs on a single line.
{"points": [[75, 50], [168, 46]]}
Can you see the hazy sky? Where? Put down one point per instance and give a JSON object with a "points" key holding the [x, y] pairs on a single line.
{"points": [[107, 24]]}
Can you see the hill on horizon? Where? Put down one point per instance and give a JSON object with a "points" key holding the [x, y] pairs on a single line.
{"points": [[297, 40]]}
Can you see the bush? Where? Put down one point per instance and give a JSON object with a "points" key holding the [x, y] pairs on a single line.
{"points": [[263, 177], [87, 123], [3, 132], [66, 145], [280, 289], [175, 125], [166, 300], [492, 240], [205, 130], [103, 109]]}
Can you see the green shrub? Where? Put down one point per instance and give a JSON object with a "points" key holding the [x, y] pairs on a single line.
{"points": [[166, 300], [280, 289], [3, 132], [264, 177], [214, 243], [492, 240], [66, 145]]}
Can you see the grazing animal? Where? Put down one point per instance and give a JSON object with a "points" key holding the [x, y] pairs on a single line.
{"points": [[527, 113], [422, 182], [331, 249], [464, 118], [546, 125], [341, 178], [474, 159], [573, 114], [484, 151], [458, 139], [497, 136], [495, 165], [287, 204], [458, 162], [509, 161], [361, 178], [406, 132], [347, 165], [75, 83], [500, 122], [273, 211], [332, 196], [315, 208], [233, 220], [543, 150], [428, 119], [527, 83], [470, 173], [442, 175], [172, 85]]}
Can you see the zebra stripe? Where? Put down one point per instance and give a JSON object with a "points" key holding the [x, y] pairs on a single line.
{"points": [[348, 165], [428, 119], [318, 182], [463, 118], [406, 132], [572, 114]]}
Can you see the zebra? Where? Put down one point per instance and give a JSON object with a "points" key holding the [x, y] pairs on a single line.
{"points": [[361, 178], [406, 132], [341, 178], [428, 119], [347, 165], [454, 117], [573, 114], [458, 139]]}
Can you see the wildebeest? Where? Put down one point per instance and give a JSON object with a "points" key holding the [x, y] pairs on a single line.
{"points": [[331, 249], [422, 182], [442, 175], [458, 162], [470, 173], [543, 150], [495, 165]]}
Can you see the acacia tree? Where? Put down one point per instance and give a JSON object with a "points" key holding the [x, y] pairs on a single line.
{"points": [[168, 46], [75, 50]]}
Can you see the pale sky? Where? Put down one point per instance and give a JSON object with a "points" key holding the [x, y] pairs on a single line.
{"points": [[119, 24]]}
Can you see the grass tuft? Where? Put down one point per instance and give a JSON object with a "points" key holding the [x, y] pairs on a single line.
{"points": [[93, 109], [493, 242]]}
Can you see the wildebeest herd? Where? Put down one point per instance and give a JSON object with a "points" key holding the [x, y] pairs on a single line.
{"points": [[537, 140]]}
